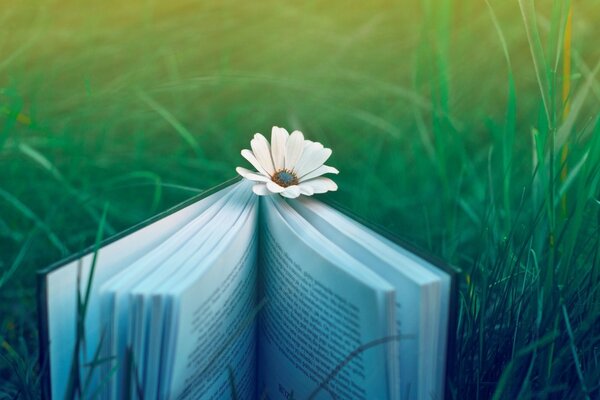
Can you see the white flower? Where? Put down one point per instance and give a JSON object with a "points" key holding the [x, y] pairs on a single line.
{"points": [[290, 165]]}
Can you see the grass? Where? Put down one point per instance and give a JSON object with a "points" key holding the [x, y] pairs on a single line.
{"points": [[448, 120]]}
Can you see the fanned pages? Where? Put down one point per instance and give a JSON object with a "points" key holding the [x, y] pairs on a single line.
{"points": [[234, 295]]}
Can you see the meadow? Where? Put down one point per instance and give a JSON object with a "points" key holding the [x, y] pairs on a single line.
{"points": [[468, 127]]}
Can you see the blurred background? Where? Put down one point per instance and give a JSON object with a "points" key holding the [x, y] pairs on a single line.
{"points": [[444, 126]]}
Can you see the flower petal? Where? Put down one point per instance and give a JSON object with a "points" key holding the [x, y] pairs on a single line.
{"points": [[262, 152], [323, 169], [279, 138], [261, 189], [248, 155], [312, 158], [306, 190], [310, 148], [291, 192], [319, 185], [251, 175], [275, 188], [294, 148]]}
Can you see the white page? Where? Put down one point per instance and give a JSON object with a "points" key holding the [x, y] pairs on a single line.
{"points": [[321, 306], [204, 238], [62, 288], [148, 293], [422, 296], [114, 293], [207, 329]]}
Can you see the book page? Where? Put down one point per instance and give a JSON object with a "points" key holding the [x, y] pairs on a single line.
{"points": [[62, 288], [422, 296], [210, 326], [160, 261], [321, 307], [140, 331]]}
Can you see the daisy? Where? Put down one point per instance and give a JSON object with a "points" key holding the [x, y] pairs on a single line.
{"points": [[289, 165]]}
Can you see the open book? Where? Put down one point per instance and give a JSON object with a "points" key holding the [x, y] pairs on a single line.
{"points": [[231, 295]]}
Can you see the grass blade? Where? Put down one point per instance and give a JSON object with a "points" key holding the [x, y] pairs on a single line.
{"points": [[183, 132], [537, 53]]}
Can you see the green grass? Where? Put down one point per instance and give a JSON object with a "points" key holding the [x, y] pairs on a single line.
{"points": [[445, 118]]}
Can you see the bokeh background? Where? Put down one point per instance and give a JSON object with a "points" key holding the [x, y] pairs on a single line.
{"points": [[444, 123]]}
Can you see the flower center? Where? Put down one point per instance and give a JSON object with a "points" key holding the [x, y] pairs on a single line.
{"points": [[285, 178]]}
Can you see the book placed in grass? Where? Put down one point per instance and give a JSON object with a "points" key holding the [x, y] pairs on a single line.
{"points": [[232, 295]]}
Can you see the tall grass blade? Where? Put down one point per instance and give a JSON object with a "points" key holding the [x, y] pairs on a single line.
{"points": [[510, 119], [566, 129], [183, 132], [324, 385], [74, 384], [566, 93], [574, 353], [40, 224], [537, 53], [43, 162], [18, 260]]}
